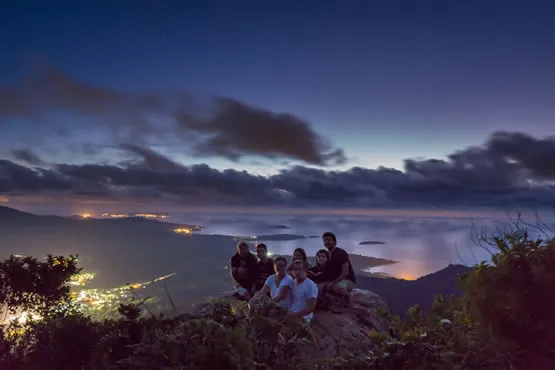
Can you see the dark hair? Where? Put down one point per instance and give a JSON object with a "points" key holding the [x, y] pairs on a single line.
{"points": [[262, 245], [324, 251], [280, 258], [328, 234], [301, 251], [299, 262], [242, 242]]}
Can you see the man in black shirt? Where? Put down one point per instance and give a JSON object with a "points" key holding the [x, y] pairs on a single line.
{"points": [[342, 273], [244, 270], [265, 266]]}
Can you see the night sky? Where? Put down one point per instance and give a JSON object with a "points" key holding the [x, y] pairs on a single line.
{"points": [[358, 104]]}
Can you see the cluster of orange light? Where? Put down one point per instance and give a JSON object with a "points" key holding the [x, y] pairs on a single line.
{"points": [[104, 297], [115, 215], [142, 285], [182, 230], [151, 215], [122, 215], [86, 215]]}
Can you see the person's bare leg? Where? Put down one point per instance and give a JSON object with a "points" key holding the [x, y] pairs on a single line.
{"points": [[341, 290]]}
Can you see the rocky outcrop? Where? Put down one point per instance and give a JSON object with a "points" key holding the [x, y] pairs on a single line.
{"points": [[339, 332], [345, 331]]}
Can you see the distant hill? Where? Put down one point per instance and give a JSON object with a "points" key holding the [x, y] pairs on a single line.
{"points": [[402, 294], [14, 217], [371, 242], [7, 213], [127, 250]]}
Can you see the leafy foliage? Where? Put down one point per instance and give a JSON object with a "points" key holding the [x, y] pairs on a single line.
{"points": [[504, 321], [37, 288]]}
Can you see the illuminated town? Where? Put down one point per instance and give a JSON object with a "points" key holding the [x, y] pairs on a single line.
{"points": [[97, 303], [187, 230], [182, 230], [102, 302], [152, 215], [115, 215], [149, 215]]}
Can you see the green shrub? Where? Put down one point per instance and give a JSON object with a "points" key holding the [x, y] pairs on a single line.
{"points": [[504, 321]]}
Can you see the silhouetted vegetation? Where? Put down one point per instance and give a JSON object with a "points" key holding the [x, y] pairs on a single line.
{"points": [[504, 321]]}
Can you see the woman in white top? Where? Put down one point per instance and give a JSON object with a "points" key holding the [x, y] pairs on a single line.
{"points": [[279, 285]]}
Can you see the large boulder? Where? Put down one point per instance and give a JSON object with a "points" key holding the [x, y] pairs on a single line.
{"points": [[345, 331], [339, 332]]}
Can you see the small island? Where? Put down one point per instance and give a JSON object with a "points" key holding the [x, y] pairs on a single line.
{"points": [[371, 242], [278, 227]]}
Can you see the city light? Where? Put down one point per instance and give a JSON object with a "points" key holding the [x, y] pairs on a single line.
{"points": [[95, 303], [91, 301], [183, 230], [81, 279], [151, 215], [148, 215], [115, 215]]}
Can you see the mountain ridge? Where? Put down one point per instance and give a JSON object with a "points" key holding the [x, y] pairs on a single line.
{"points": [[123, 250]]}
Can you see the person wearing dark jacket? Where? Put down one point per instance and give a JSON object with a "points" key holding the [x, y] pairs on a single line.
{"points": [[343, 276], [321, 272], [265, 266], [244, 271]]}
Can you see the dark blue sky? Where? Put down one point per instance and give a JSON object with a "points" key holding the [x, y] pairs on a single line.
{"points": [[386, 80], [141, 88]]}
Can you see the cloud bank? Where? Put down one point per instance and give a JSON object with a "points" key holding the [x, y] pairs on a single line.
{"points": [[221, 128], [509, 169]]}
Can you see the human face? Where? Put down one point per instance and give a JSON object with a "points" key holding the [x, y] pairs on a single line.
{"points": [[279, 267], [298, 256], [298, 271], [243, 250], [321, 259], [329, 243], [261, 253]]}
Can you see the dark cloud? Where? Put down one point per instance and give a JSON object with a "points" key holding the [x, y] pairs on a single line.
{"points": [[225, 127], [27, 156], [236, 129], [152, 159], [17, 179], [535, 155], [491, 175]]}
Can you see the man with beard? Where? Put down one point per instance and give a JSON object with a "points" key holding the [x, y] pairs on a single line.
{"points": [[342, 273]]}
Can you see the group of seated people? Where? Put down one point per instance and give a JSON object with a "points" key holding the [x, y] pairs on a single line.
{"points": [[297, 286]]}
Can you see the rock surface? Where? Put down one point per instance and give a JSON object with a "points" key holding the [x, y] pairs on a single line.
{"points": [[341, 332], [346, 331]]}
